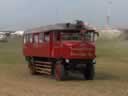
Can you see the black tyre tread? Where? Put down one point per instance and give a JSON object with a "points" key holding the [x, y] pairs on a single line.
{"points": [[89, 72]]}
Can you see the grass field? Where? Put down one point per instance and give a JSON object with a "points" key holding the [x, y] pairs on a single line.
{"points": [[111, 74], [11, 52]]}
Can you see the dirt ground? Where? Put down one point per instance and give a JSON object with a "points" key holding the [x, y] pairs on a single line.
{"points": [[16, 81]]}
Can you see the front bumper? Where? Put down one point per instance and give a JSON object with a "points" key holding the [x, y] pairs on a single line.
{"points": [[80, 61]]}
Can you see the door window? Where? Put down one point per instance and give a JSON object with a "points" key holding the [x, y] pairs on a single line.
{"points": [[41, 37], [47, 37]]}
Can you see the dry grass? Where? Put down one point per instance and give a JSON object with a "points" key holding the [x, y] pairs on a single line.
{"points": [[111, 75]]}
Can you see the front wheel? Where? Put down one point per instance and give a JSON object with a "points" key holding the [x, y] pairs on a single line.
{"points": [[89, 72], [59, 71]]}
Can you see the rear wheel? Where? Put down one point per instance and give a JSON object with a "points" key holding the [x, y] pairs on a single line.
{"points": [[32, 67], [59, 71], [89, 72]]}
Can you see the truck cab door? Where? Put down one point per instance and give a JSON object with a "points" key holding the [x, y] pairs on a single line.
{"points": [[46, 44], [55, 44]]}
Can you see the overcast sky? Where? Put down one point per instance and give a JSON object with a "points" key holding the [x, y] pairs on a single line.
{"points": [[23, 14]]}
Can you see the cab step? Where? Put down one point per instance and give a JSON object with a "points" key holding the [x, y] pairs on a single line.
{"points": [[42, 62]]}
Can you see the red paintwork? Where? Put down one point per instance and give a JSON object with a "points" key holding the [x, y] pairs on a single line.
{"points": [[73, 50]]}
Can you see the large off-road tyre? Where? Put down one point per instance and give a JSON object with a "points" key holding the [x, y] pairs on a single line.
{"points": [[59, 71], [89, 72], [31, 67]]}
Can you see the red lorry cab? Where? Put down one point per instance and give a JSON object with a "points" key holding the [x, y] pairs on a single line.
{"points": [[60, 48]]}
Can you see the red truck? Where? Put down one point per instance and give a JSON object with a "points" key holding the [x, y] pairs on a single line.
{"points": [[61, 48]]}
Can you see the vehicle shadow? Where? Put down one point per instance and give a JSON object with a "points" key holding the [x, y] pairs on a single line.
{"points": [[80, 77], [99, 76]]}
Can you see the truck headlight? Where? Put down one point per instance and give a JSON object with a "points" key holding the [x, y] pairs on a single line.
{"points": [[67, 60], [94, 61]]}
